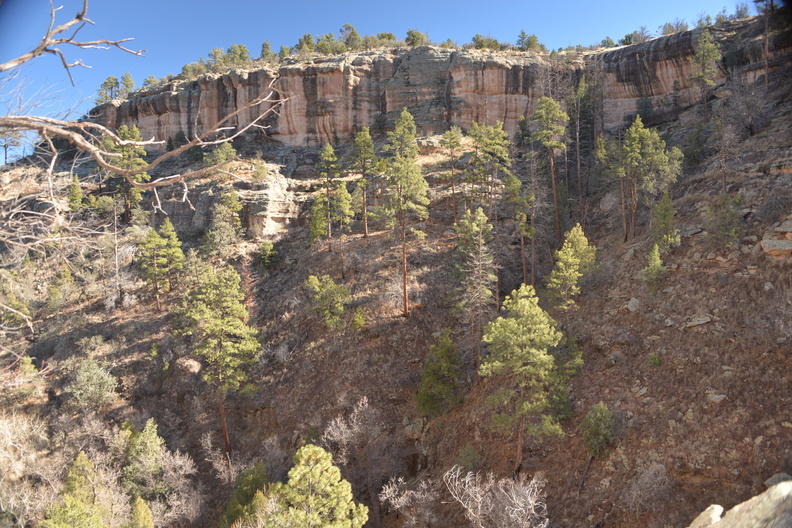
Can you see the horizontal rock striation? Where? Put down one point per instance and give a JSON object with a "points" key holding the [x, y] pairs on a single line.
{"points": [[330, 98]]}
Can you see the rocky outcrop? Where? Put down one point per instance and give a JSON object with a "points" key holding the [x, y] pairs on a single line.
{"points": [[771, 509], [777, 240], [325, 98]]}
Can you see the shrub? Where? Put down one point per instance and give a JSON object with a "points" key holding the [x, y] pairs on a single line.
{"points": [[663, 229], [441, 380], [329, 299], [655, 271], [723, 221], [598, 430], [267, 254], [92, 388]]}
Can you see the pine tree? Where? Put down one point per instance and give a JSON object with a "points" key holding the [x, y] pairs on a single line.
{"points": [[328, 170], [316, 495], [161, 257], [407, 190], [141, 515], [441, 377], [646, 167], [452, 143], [131, 159], [491, 162], [342, 211], [707, 54], [142, 474], [75, 194], [477, 266], [266, 52], [329, 299], [221, 153], [214, 316], [655, 270], [78, 508], [663, 229], [108, 90], [225, 229], [127, 85], [520, 342], [317, 226], [574, 260], [552, 121], [363, 160], [240, 504]]}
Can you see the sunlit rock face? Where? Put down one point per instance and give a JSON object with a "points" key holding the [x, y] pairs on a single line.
{"points": [[329, 98]]}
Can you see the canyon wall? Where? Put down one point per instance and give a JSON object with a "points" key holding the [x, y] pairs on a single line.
{"points": [[325, 98]]}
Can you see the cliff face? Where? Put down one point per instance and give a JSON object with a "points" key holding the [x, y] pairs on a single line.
{"points": [[332, 97]]}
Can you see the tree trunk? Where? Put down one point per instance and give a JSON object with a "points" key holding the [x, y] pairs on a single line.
{"points": [[623, 210], [519, 446], [329, 220], [579, 172], [533, 261], [221, 410], [551, 156], [453, 196], [403, 229], [522, 256], [365, 211]]}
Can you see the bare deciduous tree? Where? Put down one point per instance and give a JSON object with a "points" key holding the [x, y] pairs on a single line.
{"points": [[490, 503], [415, 505]]}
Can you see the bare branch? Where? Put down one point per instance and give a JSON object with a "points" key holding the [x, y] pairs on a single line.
{"points": [[56, 37]]}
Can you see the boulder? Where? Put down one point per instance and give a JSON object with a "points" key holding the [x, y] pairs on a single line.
{"points": [[771, 509]]}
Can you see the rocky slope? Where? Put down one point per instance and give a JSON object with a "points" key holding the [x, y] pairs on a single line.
{"points": [[332, 97]]}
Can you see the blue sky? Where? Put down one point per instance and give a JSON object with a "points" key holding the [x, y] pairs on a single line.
{"points": [[177, 32]]}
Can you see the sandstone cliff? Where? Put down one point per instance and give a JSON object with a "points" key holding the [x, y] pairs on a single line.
{"points": [[332, 97]]}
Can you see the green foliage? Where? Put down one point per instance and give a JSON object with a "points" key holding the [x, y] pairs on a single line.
{"points": [[664, 232], [221, 153], [598, 430], [351, 38], [214, 315], [161, 256], [551, 121], [131, 159], [316, 495], [655, 271], [78, 508], [141, 515], [723, 221], [491, 160], [329, 299], [317, 226], [267, 254], [108, 90], [250, 481], [707, 54], [150, 82], [195, 154], [225, 228], [526, 42], [127, 85], [468, 458], [266, 52], [654, 359], [143, 472], [416, 38], [92, 388], [75, 195], [482, 42], [284, 52], [342, 211], [441, 377], [305, 44], [520, 343], [363, 160], [574, 260]]}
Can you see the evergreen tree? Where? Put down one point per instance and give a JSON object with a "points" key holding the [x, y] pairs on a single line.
{"points": [[552, 121], [328, 170], [266, 52], [214, 316], [646, 167], [305, 44], [520, 343], [316, 495], [655, 270], [329, 299], [416, 38], [363, 160], [108, 90], [441, 377], [351, 37], [574, 260], [663, 229], [342, 212], [141, 515], [598, 430], [127, 85], [247, 484], [491, 161], [161, 257], [407, 190], [150, 81], [317, 226], [477, 266], [142, 475], [75, 194], [707, 54], [131, 159], [221, 153], [225, 228], [452, 143], [78, 508]]}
